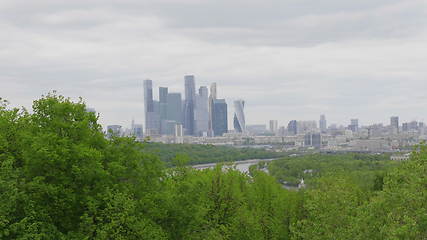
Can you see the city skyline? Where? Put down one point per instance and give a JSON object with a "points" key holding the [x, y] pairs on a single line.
{"points": [[295, 60], [201, 105]]}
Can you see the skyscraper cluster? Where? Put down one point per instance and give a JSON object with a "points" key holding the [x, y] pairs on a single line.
{"points": [[200, 113]]}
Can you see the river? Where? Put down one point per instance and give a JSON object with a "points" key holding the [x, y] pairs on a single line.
{"points": [[242, 166]]}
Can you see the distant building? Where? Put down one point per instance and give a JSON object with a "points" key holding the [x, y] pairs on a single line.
{"points": [[394, 124], [322, 123], [274, 125], [212, 97], [201, 112], [190, 98], [152, 119], [293, 127], [405, 127], [413, 125], [403, 157], [179, 132], [282, 131], [174, 107], [354, 125], [257, 129], [306, 126], [313, 140], [239, 116], [114, 130], [168, 127], [219, 117], [137, 131]]}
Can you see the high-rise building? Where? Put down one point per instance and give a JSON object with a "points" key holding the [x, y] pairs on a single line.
{"points": [[405, 127], [190, 96], [257, 129], [201, 112], [354, 125], [293, 127], [174, 107], [179, 130], [322, 123], [274, 126], [163, 108], [179, 133], [212, 97], [137, 131], [219, 117], [313, 140], [394, 124], [239, 116], [152, 119]]}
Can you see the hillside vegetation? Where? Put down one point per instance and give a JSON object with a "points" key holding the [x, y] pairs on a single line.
{"points": [[198, 154]]}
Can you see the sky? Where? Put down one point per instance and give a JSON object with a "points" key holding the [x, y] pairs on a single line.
{"points": [[288, 59]]}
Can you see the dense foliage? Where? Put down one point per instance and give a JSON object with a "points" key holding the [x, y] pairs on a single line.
{"points": [[198, 154], [364, 169], [61, 179]]}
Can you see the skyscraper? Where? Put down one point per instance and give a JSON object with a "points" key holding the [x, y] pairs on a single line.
{"points": [[212, 97], [354, 125], [274, 126], [163, 108], [313, 139], [239, 116], [219, 117], [190, 96], [293, 127], [152, 120], [201, 112], [174, 107], [322, 123], [394, 123]]}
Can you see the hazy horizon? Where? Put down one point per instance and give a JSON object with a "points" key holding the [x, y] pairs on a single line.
{"points": [[287, 59]]}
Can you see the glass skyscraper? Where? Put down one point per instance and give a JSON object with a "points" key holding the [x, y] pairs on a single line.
{"points": [[174, 107], [201, 112], [152, 120], [219, 117], [190, 96], [239, 116]]}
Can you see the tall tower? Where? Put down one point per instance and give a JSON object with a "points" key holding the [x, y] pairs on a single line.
{"points": [[293, 127], [394, 123], [274, 126], [322, 123], [354, 125], [163, 107], [239, 116], [152, 121], [201, 112], [212, 97], [219, 117], [174, 107], [190, 97]]}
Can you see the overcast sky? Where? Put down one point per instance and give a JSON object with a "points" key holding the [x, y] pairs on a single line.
{"points": [[289, 59]]}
